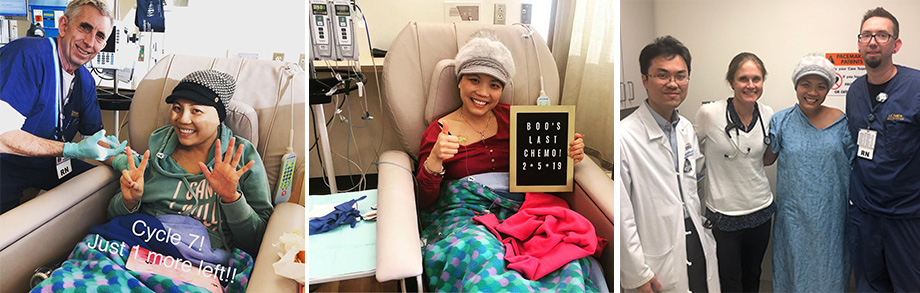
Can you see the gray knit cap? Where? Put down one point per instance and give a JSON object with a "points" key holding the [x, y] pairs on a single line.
{"points": [[485, 54], [815, 64], [207, 87]]}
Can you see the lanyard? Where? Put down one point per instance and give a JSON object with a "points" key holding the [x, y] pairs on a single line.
{"points": [[59, 98]]}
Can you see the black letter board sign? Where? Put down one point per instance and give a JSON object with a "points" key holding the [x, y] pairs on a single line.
{"points": [[540, 137]]}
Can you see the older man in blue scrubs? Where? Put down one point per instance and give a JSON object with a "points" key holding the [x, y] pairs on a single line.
{"points": [[49, 95], [884, 114]]}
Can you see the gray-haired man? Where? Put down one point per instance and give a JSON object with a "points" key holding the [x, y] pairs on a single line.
{"points": [[47, 92]]}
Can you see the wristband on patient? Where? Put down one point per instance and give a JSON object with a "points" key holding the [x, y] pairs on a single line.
{"points": [[438, 174]]}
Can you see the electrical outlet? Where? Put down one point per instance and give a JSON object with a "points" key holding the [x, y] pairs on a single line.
{"points": [[526, 13], [499, 14], [303, 61], [278, 56]]}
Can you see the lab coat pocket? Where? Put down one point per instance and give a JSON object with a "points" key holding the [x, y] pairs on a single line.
{"points": [[902, 138], [690, 183], [665, 268]]}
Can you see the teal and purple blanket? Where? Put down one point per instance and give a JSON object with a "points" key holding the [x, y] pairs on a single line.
{"points": [[98, 265], [462, 256]]}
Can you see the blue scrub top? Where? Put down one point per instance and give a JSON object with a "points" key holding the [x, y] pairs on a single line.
{"points": [[888, 184], [28, 83]]}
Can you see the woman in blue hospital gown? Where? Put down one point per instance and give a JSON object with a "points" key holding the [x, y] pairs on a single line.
{"points": [[815, 150]]}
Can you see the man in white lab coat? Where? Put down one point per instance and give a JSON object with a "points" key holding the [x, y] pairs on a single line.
{"points": [[663, 244]]}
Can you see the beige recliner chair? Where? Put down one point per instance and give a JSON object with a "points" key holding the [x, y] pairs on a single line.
{"points": [[419, 86], [47, 228]]}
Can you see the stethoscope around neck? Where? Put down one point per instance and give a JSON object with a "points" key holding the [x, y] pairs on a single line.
{"points": [[730, 125]]}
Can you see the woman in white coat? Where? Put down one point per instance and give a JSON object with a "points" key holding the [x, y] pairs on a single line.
{"points": [[658, 184], [739, 204]]}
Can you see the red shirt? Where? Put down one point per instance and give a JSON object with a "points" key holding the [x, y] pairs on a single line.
{"points": [[490, 155]]}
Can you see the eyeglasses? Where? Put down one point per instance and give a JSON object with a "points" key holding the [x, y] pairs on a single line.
{"points": [[664, 78], [881, 38]]}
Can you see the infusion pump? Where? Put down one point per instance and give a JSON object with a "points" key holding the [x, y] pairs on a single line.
{"points": [[118, 52], [332, 30]]}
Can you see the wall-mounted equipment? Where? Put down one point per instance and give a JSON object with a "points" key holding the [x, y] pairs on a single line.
{"points": [[48, 17], [117, 53], [462, 11], [320, 31], [345, 46], [526, 13], [14, 9], [10, 11]]}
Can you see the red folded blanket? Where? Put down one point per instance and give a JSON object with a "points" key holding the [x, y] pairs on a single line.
{"points": [[543, 235]]}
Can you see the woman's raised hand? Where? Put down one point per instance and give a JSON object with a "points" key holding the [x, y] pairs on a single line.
{"points": [[577, 148], [445, 147], [225, 177], [132, 180]]}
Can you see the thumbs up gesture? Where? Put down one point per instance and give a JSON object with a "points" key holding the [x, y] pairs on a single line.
{"points": [[445, 147]]}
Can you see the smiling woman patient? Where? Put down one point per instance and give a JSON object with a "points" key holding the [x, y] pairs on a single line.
{"points": [[192, 175], [473, 142], [812, 185]]}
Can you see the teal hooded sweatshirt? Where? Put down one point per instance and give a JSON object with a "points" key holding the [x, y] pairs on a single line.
{"points": [[169, 189]]}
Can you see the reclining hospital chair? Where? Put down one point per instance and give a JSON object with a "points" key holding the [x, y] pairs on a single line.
{"points": [[420, 84], [46, 229]]}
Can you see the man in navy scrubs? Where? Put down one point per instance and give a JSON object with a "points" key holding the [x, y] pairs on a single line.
{"points": [[883, 109], [49, 95]]}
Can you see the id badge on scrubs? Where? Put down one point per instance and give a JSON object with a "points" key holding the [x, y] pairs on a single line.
{"points": [[63, 167], [866, 143]]}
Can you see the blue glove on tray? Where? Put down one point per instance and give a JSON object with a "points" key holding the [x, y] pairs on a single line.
{"points": [[344, 213]]}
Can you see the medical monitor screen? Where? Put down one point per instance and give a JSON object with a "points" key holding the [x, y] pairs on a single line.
{"points": [[110, 43], [342, 10], [14, 8], [49, 2], [319, 9]]}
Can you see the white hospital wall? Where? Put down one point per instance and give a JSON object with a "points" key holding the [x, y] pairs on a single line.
{"points": [[387, 18], [779, 32], [217, 28]]}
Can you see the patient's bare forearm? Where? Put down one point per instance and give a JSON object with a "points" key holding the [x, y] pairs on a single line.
{"points": [[22, 143]]}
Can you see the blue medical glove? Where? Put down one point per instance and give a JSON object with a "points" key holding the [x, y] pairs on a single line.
{"points": [[113, 143], [90, 149], [120, 162], [344, 214], [111, 140]]}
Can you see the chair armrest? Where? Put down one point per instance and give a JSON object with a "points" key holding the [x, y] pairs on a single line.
{"points": [[398, 251], [287, 217], [46, 228], [592, 197]]}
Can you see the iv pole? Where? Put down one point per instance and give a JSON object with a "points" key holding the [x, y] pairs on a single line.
{"points": [[319, 120]]}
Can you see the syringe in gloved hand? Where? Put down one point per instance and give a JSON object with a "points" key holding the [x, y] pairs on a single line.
{"points": [[109, 141]]}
